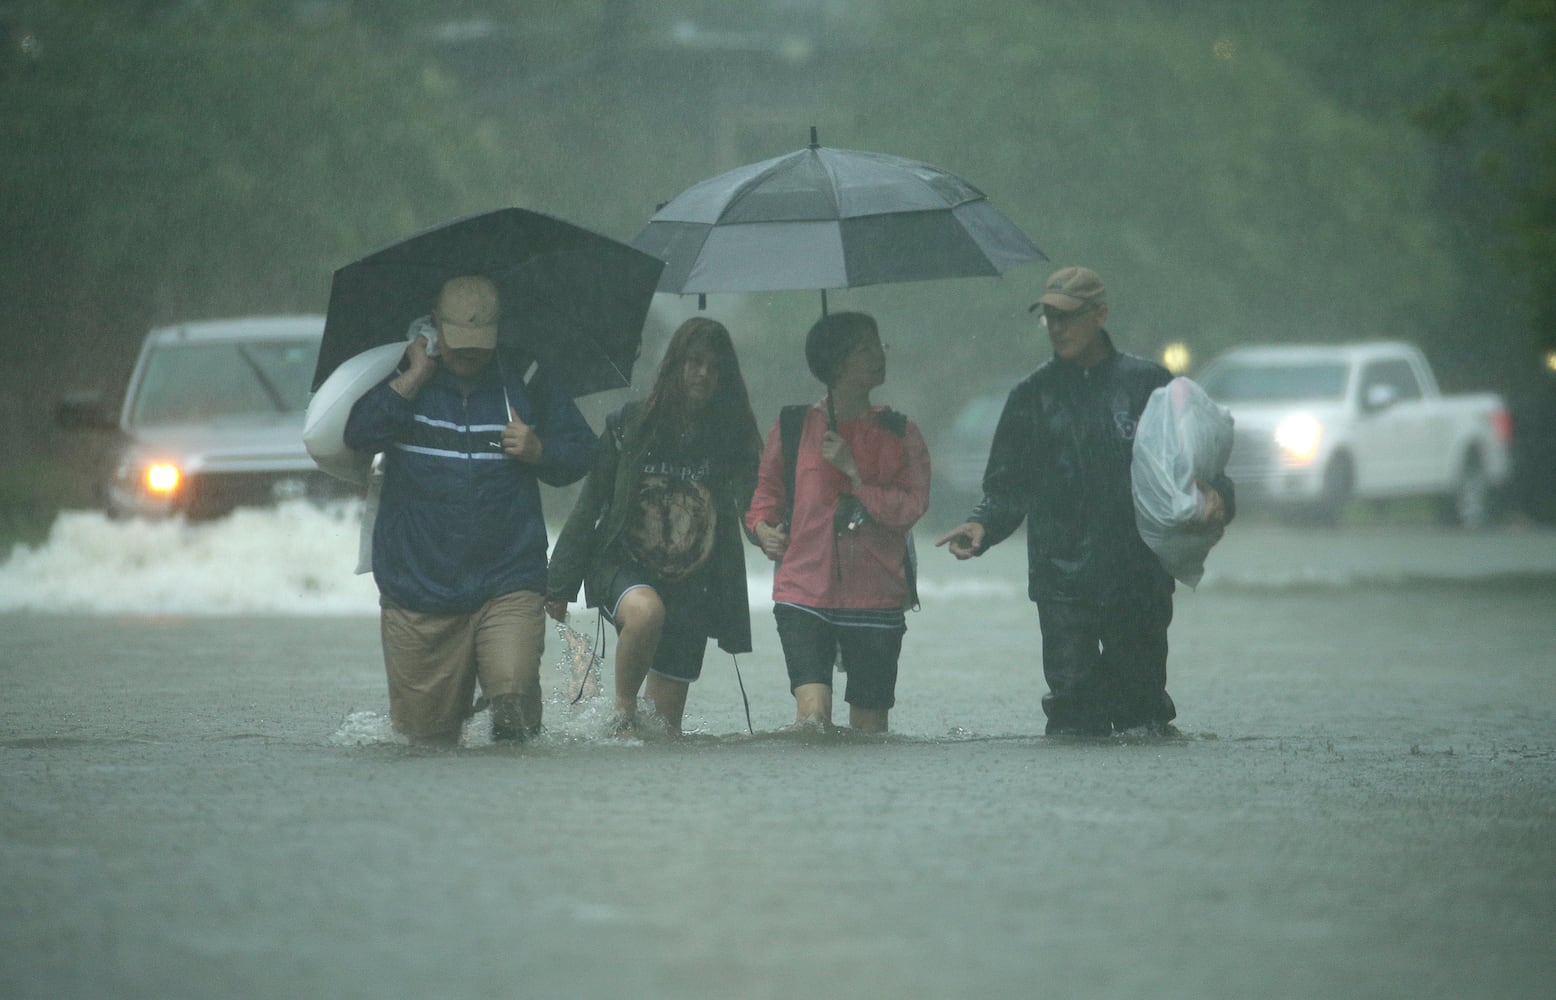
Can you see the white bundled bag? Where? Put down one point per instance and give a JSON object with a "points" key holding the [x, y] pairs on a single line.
{"points": [[324, 425], [1183, 439]]}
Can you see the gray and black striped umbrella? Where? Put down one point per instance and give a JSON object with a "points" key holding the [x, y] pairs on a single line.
{"points": [[824, 218]]}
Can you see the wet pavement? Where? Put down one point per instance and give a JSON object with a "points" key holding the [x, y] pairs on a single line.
{"points": [[1362, 803]]}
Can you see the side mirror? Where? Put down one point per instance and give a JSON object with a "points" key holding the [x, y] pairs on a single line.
{"points": [[84, 410], [1380, 397]]}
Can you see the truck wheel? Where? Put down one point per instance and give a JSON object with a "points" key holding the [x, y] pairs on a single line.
{"points": [[1339, 483], [1472, 504]]}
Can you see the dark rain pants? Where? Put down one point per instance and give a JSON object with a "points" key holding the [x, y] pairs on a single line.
{"points": [[1106, 663]]}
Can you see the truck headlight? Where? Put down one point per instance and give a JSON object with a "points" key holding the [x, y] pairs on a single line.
{"points": [[1298, 437]]}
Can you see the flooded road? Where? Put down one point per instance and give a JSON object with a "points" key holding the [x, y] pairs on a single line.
{"points": [[202, 798]]}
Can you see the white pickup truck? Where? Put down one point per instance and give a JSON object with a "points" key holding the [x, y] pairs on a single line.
{"points": [[1318, 425]]}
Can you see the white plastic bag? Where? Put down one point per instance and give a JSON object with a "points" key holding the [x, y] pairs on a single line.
{"points": [[1183, 439], [324, 425]]}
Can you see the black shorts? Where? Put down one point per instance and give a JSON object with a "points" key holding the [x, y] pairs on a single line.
{"points": [[685, 636], [811, 645]]}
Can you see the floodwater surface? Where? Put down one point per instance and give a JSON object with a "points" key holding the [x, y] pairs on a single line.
{"points": [[203, 798]]}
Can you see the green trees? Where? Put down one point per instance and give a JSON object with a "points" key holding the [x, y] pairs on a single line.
{"points": [[1498, 106], [1223, 193], [1238, 172], [178, 164]]}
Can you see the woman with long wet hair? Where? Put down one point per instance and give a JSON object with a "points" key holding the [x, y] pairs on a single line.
{"points": [[656, 536]]}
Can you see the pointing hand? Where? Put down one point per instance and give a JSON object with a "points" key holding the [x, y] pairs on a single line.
{"points": [[965, 539]]}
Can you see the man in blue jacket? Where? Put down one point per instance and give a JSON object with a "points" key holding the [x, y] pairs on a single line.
{"points": [[1061, 461], [459, 546]]}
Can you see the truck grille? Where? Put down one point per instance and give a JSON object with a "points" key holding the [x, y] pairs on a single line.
{"points": [[213, 494], [1253, 456]]}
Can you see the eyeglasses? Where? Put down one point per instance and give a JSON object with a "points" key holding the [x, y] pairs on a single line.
{"points": [[1058, 317]]}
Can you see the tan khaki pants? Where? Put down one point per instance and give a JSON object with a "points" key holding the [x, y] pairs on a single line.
{"points": [[433, 661]]}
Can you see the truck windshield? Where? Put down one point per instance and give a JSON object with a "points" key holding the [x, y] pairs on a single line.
{"points": [[194, 383], [1246, 383]]}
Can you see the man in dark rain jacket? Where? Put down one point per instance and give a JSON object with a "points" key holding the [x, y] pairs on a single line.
{"points": [[459, 544], [1061, 460]]}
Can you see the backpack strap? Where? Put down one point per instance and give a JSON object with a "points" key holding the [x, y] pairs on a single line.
{"points": [[897, 423], [893, 421], [625, 425], [791, 425]]}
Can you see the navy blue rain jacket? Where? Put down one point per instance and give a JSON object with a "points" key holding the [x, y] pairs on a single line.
{"points": [[1061, 461], [459, 522]]}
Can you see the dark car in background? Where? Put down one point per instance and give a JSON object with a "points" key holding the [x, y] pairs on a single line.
{"points": [[960, 452], [212, 419], [1534, 447]]}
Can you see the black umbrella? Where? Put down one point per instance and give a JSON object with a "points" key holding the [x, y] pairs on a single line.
{"points": [[830, 218], [572, 298]]}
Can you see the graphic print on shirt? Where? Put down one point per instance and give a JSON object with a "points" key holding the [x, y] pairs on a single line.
{"points": [[1125, 424], [669, 531]]}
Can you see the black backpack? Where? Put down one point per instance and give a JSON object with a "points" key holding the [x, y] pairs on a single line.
{"points": [[791, 424]]}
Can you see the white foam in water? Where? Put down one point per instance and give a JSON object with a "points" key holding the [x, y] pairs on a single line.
{"points": [[361, 729], [586, 723], [297, 558], [294, 559]]}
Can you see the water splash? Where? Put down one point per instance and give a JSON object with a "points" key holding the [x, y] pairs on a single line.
{"points": [[362, 729], [579, 663], [570, 720], [295, 559]]}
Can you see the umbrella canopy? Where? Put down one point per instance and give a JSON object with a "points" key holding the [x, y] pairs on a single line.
{"points": [[830, 218], [570, 297]]}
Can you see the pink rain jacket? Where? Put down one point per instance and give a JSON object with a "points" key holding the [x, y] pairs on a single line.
{"points": [[863, 568]]}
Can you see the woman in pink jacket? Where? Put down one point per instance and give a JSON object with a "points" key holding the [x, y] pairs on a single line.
{"points": [[837, 524]]}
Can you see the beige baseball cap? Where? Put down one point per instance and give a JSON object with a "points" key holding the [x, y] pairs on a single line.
{"points": [[467, 313], [1071, 288]]}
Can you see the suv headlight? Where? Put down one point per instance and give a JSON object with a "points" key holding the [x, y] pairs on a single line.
{"points": [[1298, 437], [162, 478], [152, 479]]}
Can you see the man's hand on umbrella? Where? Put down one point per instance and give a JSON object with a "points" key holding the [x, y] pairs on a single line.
{"points": [[774, 539], [964, 539], [520, 440], [557, 610], [419, 368]]}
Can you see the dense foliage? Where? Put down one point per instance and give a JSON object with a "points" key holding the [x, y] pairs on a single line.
{"points": [[1236, 172], [1499, 105]]}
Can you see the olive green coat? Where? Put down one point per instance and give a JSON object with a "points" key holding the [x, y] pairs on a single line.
{"points": [[587, 552]]}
